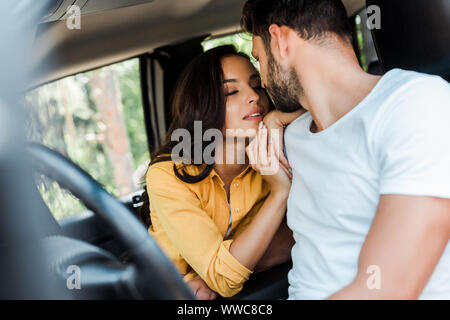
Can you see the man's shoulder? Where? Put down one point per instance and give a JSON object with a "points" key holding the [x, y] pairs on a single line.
{"points": [[410, 94], [405, 84], [303, 121], [419, 109]]}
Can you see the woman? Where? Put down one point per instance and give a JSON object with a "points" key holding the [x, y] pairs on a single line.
{"points": [[219, 221]]}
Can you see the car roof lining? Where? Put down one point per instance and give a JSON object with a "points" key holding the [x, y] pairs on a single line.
{"points": [[115, 35]]}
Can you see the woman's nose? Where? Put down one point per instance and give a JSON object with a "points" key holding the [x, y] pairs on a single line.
{"points": [[253, 95]]}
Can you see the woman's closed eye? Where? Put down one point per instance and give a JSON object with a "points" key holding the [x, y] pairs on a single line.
{"points": [[231, 93], [259, 87]]}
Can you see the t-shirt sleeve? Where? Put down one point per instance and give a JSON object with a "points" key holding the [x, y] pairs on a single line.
{"points": [[412, 140]]}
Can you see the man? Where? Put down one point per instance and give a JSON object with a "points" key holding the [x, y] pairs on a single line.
{"points": [[370, 199]]}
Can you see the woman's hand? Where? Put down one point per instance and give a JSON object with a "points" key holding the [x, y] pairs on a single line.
{"points": [[261, 153], [201, 289], [275, 122]]}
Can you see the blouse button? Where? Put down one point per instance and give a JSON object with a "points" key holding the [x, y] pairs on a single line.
{"points": [[236, 210], [236, 185]]}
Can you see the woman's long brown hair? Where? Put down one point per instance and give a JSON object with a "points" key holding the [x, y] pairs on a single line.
{"points": [[198, 96]]}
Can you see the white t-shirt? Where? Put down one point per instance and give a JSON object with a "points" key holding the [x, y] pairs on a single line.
{"points": [[396, 141]]}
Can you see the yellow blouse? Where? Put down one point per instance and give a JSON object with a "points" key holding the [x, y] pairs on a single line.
{"points": [[190, 221]]}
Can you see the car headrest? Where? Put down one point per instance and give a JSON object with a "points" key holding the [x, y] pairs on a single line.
{"points": [[414, 35]]}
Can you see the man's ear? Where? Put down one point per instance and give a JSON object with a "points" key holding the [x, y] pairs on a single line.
{"points": [[280, 36]]}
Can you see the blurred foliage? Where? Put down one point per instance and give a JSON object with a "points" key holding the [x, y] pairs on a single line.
{"points": [[360, 43], [242, 42], [130, 88]]}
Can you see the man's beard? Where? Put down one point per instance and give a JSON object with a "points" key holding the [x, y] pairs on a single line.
{"points": [[283, 86]]}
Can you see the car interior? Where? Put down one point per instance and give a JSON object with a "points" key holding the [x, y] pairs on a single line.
{"points": [[162, 36]]}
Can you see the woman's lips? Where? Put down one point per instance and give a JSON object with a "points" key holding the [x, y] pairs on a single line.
{"points": [[257, 116], [257, 119]]}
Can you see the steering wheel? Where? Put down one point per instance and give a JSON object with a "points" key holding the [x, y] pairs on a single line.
{"points": [[149, 274]]}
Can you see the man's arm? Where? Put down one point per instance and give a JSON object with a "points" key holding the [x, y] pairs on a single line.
{"points": [[405, 242]]}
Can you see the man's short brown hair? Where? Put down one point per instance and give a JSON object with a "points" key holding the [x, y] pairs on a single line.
{"points": [[312, 19]]}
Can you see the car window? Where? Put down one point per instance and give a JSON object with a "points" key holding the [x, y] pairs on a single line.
{"points": [[96, 119]]}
